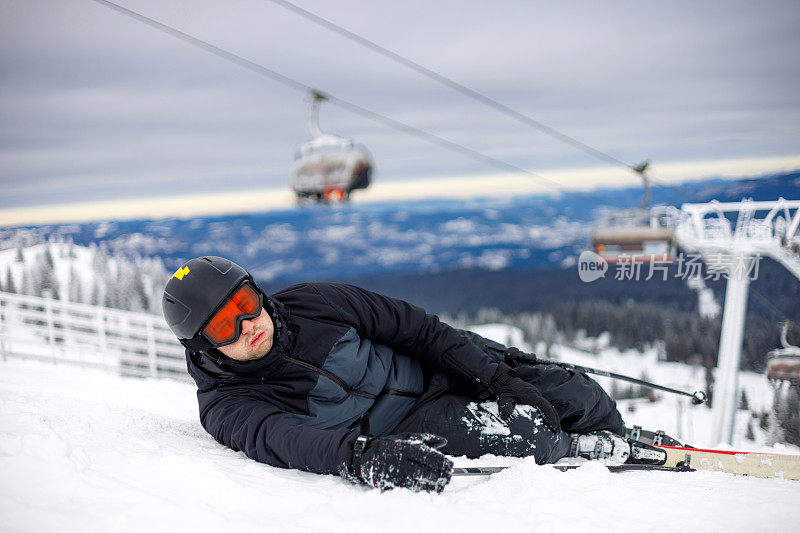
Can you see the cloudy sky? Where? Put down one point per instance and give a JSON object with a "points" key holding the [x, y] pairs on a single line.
{"points": [[96, 106]]}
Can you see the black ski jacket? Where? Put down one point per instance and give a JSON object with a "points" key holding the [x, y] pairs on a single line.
{"points": [[339, 352]]}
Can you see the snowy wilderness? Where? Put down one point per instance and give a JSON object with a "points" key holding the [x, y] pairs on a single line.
{"points": [[614, 187]]}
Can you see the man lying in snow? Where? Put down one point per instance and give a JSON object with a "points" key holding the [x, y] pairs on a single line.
{"points": [[334, 379]]}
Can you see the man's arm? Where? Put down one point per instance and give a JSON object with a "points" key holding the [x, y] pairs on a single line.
{"points": [[409, 329], [264, 433], [268, 435]]}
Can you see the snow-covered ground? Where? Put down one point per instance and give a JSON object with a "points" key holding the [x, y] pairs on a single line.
{"points": [[84, 450]]}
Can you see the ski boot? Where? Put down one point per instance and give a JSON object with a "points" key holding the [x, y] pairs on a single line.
{"points": [[600, 445], [613, 449]]}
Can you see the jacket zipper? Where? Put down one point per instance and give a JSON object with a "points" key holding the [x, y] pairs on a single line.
{"points": [[330, 376], [401, 393], [341, 383]]}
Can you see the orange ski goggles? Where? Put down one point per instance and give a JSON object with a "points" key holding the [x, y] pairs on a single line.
{"points": [[225, 325]]}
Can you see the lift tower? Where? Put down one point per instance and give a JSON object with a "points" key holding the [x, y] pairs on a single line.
{"points": [[731, 238]]}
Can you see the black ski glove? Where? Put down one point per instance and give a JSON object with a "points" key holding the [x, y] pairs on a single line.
{"points": [[509, 390], [515, 357], [409, 460]]}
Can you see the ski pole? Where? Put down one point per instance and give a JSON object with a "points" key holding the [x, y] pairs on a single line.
{"points": [[697, 397], [478, 470]]}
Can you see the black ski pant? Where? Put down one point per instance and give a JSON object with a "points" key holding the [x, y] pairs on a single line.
{"points": [[473, 428]]}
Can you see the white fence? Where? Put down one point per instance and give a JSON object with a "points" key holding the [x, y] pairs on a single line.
{"points": [[131, 344]]}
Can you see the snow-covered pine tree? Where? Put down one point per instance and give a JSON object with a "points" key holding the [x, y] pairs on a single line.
{"points": [[750, 435], [48, 257], [31, 280], [110, 296], [138, 295], [100, 259], [154, 276], [75, 286], [128, 287], [46, 274], [95, 295], [10, 285], [71, 248]]}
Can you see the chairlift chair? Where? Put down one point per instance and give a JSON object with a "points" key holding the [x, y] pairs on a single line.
{"points": [[639, 235], [328, 167], [783, 364]]}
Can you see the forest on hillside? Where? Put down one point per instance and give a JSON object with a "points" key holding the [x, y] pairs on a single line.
{"points": [[680, 335], [60, 269]]}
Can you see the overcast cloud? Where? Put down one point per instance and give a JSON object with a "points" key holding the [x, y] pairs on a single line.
{"points": [[94, 105]]}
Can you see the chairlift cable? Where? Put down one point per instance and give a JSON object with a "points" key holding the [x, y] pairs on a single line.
{"points": [[456, 86], [294, 84], [264, 71], [639, 168]]}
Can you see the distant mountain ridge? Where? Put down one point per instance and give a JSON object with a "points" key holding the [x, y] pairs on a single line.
{"points": [[424, 236]]}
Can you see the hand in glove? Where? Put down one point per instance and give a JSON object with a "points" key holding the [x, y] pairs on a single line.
{"points": [[410, 460], [510, 390], [515, 357]]}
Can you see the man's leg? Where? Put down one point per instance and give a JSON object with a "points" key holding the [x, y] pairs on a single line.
{"points": [[581, 403], [474, 429]]}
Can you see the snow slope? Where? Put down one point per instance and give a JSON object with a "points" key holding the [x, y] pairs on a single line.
{"points": [[82, 450]]}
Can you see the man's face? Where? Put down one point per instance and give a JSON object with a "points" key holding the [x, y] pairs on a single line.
{"points": [[255, 340]]}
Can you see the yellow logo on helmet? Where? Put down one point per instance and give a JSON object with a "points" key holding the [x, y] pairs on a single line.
{"points": [[180, 273]]}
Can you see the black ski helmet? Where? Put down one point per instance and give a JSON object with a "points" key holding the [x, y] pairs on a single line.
{"points": [[195, 291]]}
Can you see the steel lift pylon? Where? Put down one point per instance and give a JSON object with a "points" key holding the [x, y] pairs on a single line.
{"points": [[731, 238]]}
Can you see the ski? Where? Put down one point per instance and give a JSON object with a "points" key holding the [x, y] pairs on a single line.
{"points": [[687, 459], [656, 451], [628, 467], [489, 470], [762, 465]]}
